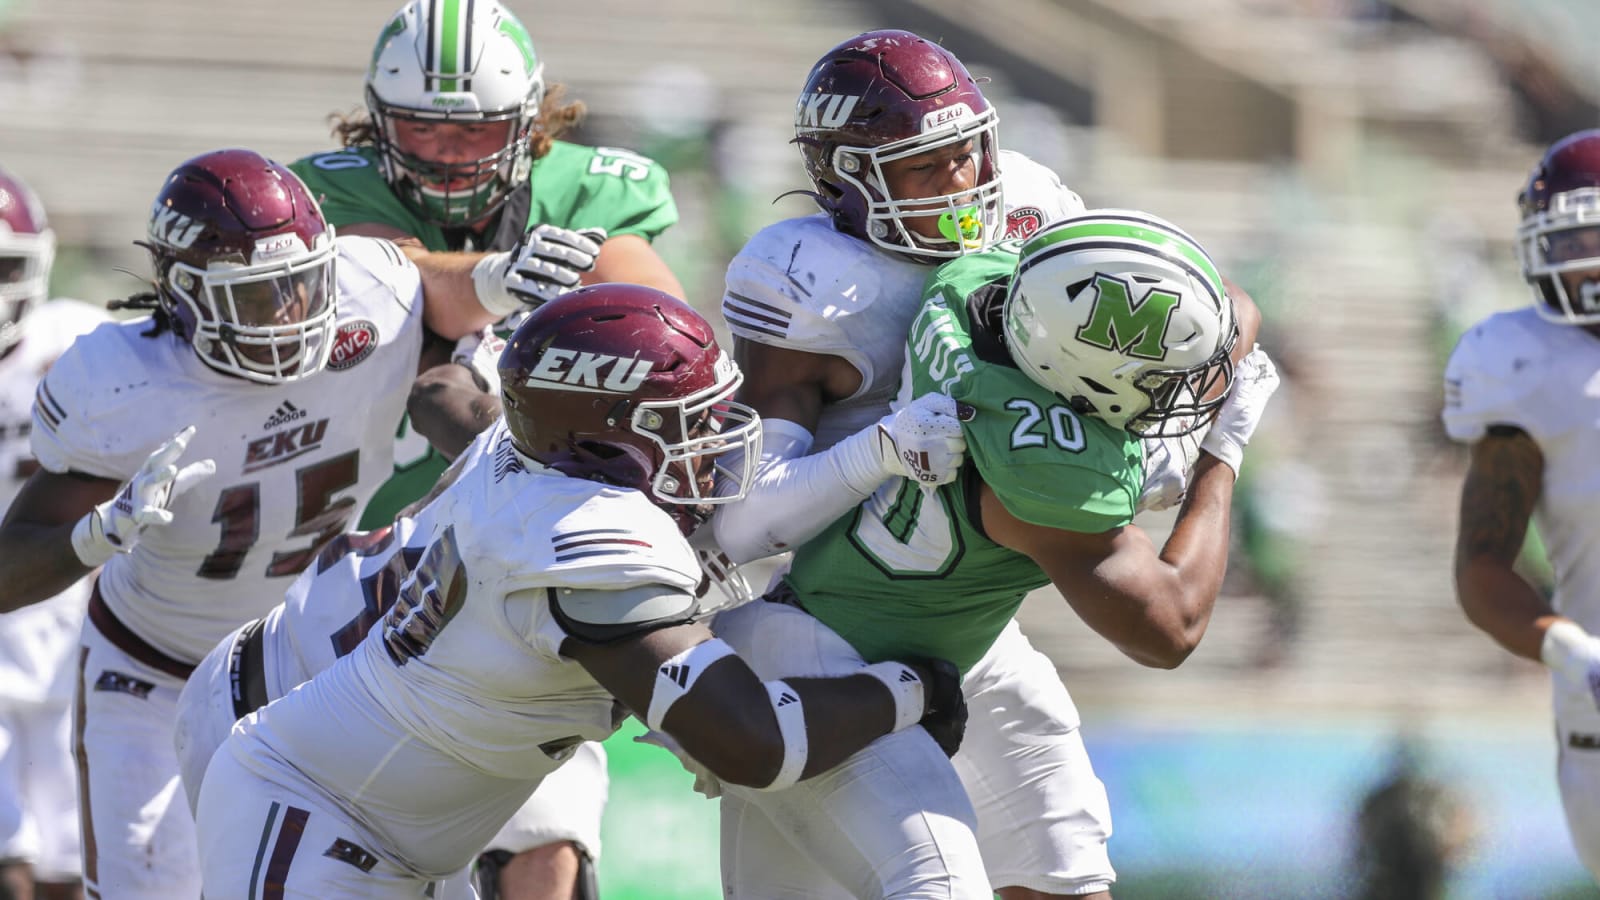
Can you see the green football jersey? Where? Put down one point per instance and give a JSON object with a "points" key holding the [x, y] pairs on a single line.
{"points": [[910, 573], [572, 186]]}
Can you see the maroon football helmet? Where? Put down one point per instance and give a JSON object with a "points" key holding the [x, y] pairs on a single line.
{"points": [[244, 264], [1560, 231], [625, 384], [883, 96], [27, 247]]}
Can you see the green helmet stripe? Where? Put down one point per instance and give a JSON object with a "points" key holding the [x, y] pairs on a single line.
{"points": [[1141, 230], [449, 34]]}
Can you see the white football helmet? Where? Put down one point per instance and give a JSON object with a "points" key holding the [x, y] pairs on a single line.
{"points": [[1125, 317], [455, 61], [27, 248]]}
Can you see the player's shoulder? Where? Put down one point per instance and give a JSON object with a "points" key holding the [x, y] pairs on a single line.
{"points": [[1510, 343], [1034, 195], [51, 327], [800, 280], [343, 167], [375, 277], [1514, 368], [116, 359], [583, 161], [1052, 467], [962, 275]]}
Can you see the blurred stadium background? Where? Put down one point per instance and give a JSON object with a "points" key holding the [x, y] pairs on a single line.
{"points": [[1353, 163]]}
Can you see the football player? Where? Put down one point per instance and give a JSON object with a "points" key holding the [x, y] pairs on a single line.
{"points": [[38, 792], [546, 592], [900, 146], [461, 152], [203, 455], [1518, 389], [1110, 327]]}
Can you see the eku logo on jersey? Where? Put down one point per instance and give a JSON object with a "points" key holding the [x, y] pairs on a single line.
{"points": [[595, 373], [173, 228], [284, 445], [824, 110]]}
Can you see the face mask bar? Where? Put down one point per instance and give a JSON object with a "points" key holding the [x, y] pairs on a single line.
{"points": [[242, 326], [1178, 403], [492, 178], [735, 433], [1561, 240], [971, 220]]}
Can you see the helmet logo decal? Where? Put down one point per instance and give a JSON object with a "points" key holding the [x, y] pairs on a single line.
{"points": [[173, 228], [518, 35], [395, 26], [809, 112], [277, 246], [937, 117], [1120, 324], [581, 370]]}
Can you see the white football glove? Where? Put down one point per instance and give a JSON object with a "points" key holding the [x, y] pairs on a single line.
{"points": [[1253, 383], [115, 525], [545, 264], [1167, 462], [923, 440], [480, 353], [1574, 655]]}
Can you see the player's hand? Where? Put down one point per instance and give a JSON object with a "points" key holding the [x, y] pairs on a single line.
{"points": [[1253, 383], [145, 500], [923, 441], [545, 264], [1167, 463], [705, 783], [945, 718], [1574, 655]]}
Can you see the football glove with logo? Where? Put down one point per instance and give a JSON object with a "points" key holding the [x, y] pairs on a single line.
{"points": [[115, 525], [923, 441], [545, 264], [1253, 384]]}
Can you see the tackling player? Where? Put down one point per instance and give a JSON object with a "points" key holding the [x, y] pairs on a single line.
{"points": [[900, 147], [546, 592], [1111, 327], [461, 151], [278, 357], [38, 790], [1519, 390]]}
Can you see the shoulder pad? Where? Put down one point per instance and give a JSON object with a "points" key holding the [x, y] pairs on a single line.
{"points": [[795, 284], [91, 410], [1495, 374], [1034, 195], [600, 616]]}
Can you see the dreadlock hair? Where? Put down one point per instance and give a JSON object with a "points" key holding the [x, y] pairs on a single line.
{"points": [[557, 116], [150, 301]]}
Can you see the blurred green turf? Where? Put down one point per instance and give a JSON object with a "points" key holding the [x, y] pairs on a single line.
{"points": [[658, 837]]}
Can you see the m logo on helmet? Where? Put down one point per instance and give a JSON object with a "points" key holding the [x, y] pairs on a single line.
{"points": [[580, 370], [1120, 324], [824, 110]]}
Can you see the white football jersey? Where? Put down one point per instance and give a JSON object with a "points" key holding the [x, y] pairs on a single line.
{"points": [[440, 724], [801, 285], [1517, 369], [35, 639], [295, 462]]}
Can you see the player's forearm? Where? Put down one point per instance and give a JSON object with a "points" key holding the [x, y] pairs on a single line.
{"points": [[452, 309], [1197, 549], [1503, 604], [793, 497], [37, 562]]}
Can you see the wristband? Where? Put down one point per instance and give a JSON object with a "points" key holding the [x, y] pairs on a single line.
{"points": [[489, 282], [905, 685], [89, 541]]}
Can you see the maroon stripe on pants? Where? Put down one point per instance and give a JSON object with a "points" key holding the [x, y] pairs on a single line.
{"points": [[294, 827]]}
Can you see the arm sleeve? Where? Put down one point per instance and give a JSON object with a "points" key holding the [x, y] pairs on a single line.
{"points": [[792, 498]]}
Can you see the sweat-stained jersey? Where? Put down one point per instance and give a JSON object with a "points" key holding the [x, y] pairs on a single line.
{"points": [[911, 573], [1515, 368], [457, 702], [573, 186], [295, 462], [801, 285], [36, 641]]}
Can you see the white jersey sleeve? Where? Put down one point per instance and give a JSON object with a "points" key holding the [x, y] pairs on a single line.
{"points": [[87, 414], [1034, 195], [1497, 375]]}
